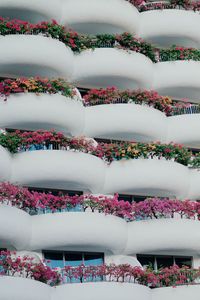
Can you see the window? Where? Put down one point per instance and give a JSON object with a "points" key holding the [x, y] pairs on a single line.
{"points": [[131, 198], [162, 261], [1, 258], [55, 192], [83, 91], [60, 259]]}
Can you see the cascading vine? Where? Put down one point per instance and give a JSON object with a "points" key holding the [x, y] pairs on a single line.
{"points": [[79, 42]]}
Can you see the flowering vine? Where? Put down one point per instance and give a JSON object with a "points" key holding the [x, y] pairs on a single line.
{"points": [[145, 97], [13, 265], [109, 95], [151, 208], [42, 139], [79, 42], [144, 5], [35, 85]]}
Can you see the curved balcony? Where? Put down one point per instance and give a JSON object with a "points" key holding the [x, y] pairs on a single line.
{"points": [[181, 30], [96, 17], [178, 293], [125, 122], [21, 56], [25, 289], [194, 189], [183, 130], [6, 164], [103, 290], [59, 169], [91, 231], [15, 227], [29, 111], [112, 67], [30, 11], [147, 177], [178, 79], [163, 235], [64, 169], [88, 231]]}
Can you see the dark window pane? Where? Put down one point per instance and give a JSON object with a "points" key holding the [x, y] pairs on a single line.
{"points": [[128, 198], [93, 259], [164, 261], [55, 192], [139, 198], [146, 260], [73, 259], [54, 259], [183, 261]]}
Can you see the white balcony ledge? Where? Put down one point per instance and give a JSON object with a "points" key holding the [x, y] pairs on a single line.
{"points": [[60, 169], [125, 122], [147, 177], [5, 164], [15, 228], [149, 236], [97, 232], [91, 231], [26, 289], [178, 293], [87, 231], [182, 29], [31, 112], [184, 130], [103, 290], [121, 121], [63, 169], [16, 288], [178, 79], [34, 55], [32, 11], [112, 67], [95, 16]]}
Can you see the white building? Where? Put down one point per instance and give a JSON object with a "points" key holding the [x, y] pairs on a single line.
{"points": [[71, 237]]}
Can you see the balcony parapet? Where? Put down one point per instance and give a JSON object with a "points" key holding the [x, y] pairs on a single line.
{"points": [[105, 169]]}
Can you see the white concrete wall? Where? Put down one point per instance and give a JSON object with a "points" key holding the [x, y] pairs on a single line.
{"points": [[26, 289], [172, 235], [80, 171], [181, 30], [30, 112], [34, 55], [95, 17], [176, 293], [21, 56], [98, 232], [120, 121]]}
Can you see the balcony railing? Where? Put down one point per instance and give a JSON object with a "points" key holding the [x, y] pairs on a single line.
{"points": [[11, 265], [191, 109], [150, 208], [166, 4]]}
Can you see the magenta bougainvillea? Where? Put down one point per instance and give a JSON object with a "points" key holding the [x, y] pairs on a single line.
{"points": [[79, 42], [42, 140], [145, 5], [109, 95], [35, 85], [151, 208], [13, 265]]}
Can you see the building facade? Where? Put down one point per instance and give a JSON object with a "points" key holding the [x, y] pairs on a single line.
{"points": [[99, 149]]}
